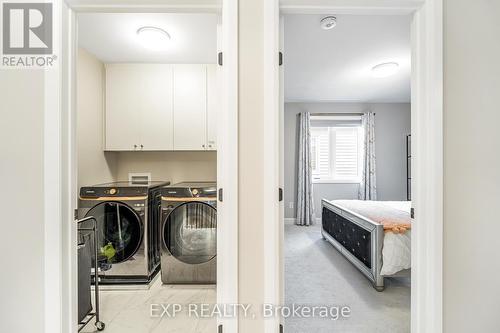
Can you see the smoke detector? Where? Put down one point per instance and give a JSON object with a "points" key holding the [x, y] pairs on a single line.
{"points": [[328, 22]]}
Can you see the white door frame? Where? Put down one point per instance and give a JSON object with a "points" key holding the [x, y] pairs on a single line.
{"points": [[60, 183], [427, 147]]}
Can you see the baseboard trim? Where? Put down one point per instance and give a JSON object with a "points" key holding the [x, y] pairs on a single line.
{"points": [[292, 220]]}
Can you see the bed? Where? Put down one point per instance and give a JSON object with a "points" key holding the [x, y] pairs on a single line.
{"points": [[375, 236]]}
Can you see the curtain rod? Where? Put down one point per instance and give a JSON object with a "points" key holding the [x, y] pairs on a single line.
{"points": [[339, 114]]}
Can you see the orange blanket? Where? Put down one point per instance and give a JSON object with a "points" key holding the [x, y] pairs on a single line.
{"points": [[393, 215]]}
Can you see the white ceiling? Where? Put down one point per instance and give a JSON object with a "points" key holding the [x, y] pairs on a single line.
{"points": [[112, 37], [348, 6], [186, 4], [335, 65]]}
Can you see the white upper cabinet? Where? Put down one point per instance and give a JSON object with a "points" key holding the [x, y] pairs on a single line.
{"points": [[190, 107], [213, 105], [123, 106], [159, 107], [157, 118], [139, 112]]}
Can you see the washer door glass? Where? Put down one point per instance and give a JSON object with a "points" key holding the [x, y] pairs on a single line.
{"points": [[119, 231], [190, 232]]}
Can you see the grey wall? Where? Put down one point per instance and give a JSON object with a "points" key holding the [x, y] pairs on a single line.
{"points": [[392, 124], [471, 166]]}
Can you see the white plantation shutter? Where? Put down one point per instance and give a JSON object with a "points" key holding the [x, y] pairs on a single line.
{"points": [[320, 150], [336, 151], [346, 151], [314, 154]]}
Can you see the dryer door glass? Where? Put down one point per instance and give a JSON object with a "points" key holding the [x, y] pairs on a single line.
{"points": [[190, 232], [119, 231]]}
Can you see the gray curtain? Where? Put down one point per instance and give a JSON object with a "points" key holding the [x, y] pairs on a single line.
{"points": [[305, 207], [368, 185]]}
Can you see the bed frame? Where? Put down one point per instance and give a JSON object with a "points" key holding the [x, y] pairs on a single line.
{"points": [[356, 237]]}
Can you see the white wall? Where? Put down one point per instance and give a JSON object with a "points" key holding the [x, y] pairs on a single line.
{"points": [[170, 166], [471, 166], [392, 124], [22, 200], [94, 165]]}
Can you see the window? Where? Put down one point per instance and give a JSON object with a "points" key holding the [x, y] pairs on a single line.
{"points": [[336, 153]]}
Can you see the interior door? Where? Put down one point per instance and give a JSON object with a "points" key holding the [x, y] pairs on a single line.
{"points": [[123, 104], [190, 107], [157, 116], [282, 162]]}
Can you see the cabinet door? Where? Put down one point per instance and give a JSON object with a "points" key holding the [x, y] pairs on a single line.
{"points": [[157, 109], [190, 107], [213, 105], [123, 102]]}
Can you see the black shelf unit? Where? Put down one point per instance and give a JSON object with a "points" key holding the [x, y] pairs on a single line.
{"points": [[408, 167]]}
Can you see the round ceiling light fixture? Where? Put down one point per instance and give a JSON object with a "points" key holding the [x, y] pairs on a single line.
{"points": [[328, 22], [385, 69], [153, 37]]}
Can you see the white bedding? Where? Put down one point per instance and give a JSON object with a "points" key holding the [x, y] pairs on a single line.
{"points": [[396, 251]]}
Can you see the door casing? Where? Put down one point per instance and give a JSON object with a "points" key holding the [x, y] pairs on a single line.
{"points": [[427, 150], [60, 150]]}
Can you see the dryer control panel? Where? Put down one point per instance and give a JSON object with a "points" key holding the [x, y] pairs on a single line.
{"points": [[97, 192]]}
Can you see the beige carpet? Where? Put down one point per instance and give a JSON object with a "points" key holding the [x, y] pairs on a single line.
{"points": [[316, 274]]}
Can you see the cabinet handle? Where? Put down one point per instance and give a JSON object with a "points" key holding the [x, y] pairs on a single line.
{"points": [[209, 146], [135, 146], [203, 146], [142, 146]]}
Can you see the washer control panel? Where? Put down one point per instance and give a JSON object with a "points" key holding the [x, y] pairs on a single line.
{"points": [[189, 192]]}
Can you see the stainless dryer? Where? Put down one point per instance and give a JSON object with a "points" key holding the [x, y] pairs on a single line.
{"points": [[127, 215], [189, 233]]}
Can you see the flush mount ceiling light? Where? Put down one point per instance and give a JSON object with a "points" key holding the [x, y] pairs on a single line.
{"points": [[153, 37], [328, 22], [385, 70]]}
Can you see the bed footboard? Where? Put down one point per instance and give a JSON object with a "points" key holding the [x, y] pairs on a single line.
{"points": [[357, 238]]}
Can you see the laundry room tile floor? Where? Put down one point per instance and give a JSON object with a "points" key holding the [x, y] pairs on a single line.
{"points": [[129, 311]]}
